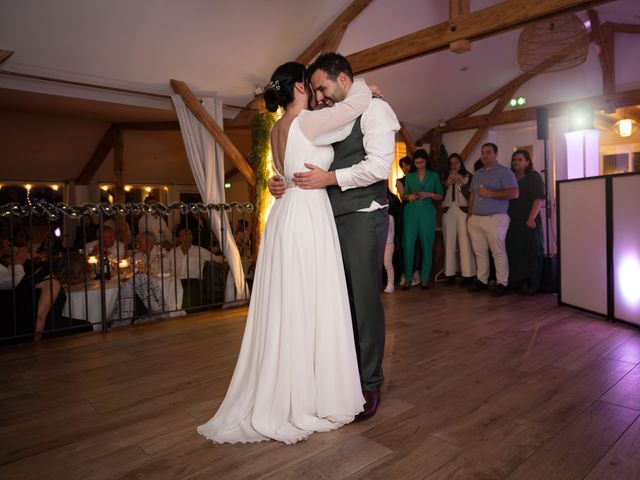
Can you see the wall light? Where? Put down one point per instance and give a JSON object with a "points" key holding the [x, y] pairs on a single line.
{"points": [[147, 189], [54, 188], [28, 186], [127, 188], [625, 127], [105, 187]]}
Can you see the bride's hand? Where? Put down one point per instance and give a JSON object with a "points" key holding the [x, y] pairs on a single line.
{"points": [[375, 91], [276, 186], [315, 178]]}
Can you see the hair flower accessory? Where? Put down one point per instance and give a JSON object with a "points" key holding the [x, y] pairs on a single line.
{"points": [[275, 85]]}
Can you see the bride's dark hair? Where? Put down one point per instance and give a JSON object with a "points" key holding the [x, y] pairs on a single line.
{"points": [[279, 92]]}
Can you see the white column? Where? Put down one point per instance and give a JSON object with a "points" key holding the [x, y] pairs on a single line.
{"points": [[583, 153]]}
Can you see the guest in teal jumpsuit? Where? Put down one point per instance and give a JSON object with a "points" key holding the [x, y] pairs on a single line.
{"points": [[421, 188]]}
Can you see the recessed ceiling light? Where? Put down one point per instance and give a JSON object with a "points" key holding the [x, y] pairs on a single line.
{"points": [[464, 69]]}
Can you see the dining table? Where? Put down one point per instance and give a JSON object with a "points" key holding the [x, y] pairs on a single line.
{"points": [[84, 303]]}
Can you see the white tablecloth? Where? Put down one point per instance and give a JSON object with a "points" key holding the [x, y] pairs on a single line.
{"points": [[76, 304]]}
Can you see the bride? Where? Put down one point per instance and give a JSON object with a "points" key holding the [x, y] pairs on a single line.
{"points": [[297, 371]]}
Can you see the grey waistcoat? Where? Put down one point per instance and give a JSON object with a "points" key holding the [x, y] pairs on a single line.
{"points": [[347, 153]]}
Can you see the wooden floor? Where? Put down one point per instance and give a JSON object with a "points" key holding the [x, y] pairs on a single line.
{"points": [[477, 388]]}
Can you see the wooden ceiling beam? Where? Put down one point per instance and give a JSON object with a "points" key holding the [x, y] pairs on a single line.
{"points": [[106, 144], [625, 27], [332, 42], [150, 126], [328, 35], [218, 134], [492, 20], [406, 137], [4, 54], [327, 41], [603, 37], [482, 131], [615, 100], [512, 86], [609, 53], [459, 9]]}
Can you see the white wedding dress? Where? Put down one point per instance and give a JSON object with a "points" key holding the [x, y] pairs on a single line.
{"points": [[297, 372]]}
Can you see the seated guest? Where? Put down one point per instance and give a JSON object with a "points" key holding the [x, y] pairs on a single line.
{"points": [[154, 223], [187, 261], [148, 252], [138, 295], [189, 258], [121, 228], [524, 237], [86, 232], [200, 227], [242, 236], [51, 243], [111, 248], [45, 285], [11, 269]]}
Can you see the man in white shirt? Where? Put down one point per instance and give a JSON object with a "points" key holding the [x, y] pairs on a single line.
{"points": [[187, 261], [111, 248], [11, 275], [357, 186], [148, 252], [154, 223]]}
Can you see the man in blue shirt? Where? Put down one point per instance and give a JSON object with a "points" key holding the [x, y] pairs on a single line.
{"points": [[492, 187]]}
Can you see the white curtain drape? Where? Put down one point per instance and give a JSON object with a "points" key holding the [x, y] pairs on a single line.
{"points": [[206, 159]]}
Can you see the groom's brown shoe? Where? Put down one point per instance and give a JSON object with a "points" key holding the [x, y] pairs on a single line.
{"points": [[372, 400]]}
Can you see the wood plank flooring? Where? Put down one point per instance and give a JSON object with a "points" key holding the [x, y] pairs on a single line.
{"points": [[476, 387]]}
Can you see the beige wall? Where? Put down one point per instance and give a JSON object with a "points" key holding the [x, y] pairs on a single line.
{"points": [[46, 147]]}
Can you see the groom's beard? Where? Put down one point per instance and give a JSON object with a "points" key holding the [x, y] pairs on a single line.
{"points": [[319, 106]]}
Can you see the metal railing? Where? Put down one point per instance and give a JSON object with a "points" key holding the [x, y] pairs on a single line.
{"points": [[100, 266]]}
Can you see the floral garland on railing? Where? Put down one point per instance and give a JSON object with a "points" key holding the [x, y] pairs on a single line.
{"points": [[54, 210]]}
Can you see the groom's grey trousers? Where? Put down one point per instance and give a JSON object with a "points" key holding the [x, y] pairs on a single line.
{"points": [[362, 239]]}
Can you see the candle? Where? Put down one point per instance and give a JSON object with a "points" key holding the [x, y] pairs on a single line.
{"points": [[93, 260], [123, 263]]}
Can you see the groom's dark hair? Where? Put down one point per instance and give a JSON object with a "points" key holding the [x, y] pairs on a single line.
{"points": [[332, 63]]}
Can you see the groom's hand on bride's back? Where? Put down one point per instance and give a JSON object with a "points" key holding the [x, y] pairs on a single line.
{"points": [[276, 186], [314, 178]]}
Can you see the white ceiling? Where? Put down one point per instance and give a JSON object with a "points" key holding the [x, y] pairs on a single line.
{"points": [[227, 48]]}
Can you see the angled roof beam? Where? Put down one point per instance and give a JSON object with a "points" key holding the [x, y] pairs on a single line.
{"points": [[327, 41], [511, 87], [406, 137], [492, 20], [328, 37], [4, 54], [107, 143], [615, 100], [481, 132]]}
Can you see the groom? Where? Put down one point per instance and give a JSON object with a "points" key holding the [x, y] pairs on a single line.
{"points": [[357, 186]]}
